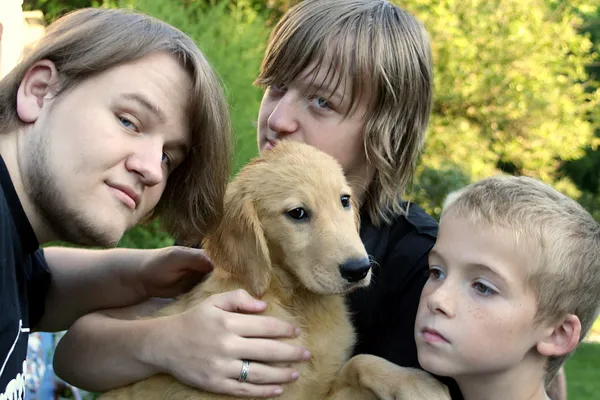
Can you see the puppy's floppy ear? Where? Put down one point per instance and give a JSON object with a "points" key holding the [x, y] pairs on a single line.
{"points": [[239, 245]]}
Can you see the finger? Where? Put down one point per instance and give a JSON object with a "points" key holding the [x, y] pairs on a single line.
{"points": [[237, 301], [262, 374], [196, 259], [191, 280], [269, 351], [245, 389], [260, 326]]}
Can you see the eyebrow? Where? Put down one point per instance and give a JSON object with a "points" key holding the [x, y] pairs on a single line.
{"points": [[183, 147], [323, 86], [476, 266], [147, 104], [490, 271]]}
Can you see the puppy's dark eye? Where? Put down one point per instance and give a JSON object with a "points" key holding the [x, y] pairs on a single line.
{"points": [[345, 201], [297, 213]]}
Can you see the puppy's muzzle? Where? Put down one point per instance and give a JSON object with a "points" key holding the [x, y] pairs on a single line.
{"points": [[355, 270]]}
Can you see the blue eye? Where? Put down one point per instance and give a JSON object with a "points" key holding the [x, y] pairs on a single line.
{"points": [[320, 102], [166, 159], [484, 289], [127, 123], [436, 273]]}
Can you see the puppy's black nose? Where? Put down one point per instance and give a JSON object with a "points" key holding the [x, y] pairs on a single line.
{"points": [[355, 270]]}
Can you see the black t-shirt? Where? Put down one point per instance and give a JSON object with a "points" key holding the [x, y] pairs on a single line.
{"points": [[384, 313], [24, 281]]}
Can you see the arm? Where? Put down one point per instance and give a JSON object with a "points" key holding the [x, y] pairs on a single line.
{"points": [[202, 347], [84, 281], [112, 341]]}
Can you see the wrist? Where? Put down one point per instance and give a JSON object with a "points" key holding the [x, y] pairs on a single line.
{"points": [[130, 264], [153, 352]]}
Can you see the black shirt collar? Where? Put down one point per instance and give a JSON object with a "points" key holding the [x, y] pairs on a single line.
{"points": [[27, 236]]}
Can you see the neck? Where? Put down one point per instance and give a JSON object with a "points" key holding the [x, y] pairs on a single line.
{"points": [[294, 296], [10, 150], [360, 181], [518, 384]]}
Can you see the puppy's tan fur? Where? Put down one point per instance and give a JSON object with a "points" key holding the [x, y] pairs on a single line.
{"points": [[294, 266]]}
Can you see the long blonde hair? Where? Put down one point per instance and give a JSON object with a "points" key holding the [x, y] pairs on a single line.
{"points": [[384, 53]]}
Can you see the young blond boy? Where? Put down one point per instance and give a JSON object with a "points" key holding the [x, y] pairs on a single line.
{"points": [[514, 285]]}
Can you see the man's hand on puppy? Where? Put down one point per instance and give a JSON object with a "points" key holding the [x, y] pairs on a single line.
{"points": [[204, 347], [171, 271]]}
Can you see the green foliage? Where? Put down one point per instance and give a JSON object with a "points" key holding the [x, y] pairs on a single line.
{"points": [[582, 372], [146, 237], [585, 171], [596, 327], [510, 88], [272, 10], [53, 9], [435, 184]]}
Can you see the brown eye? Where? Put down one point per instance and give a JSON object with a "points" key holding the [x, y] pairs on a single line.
{"points": [[297, 213], [345, 200]]}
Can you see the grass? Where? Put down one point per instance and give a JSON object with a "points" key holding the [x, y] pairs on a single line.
{"points": [[583, 370]]}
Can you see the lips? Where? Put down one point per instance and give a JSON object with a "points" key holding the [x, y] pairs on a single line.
{"points": [[270, 144], [126, 194], [432, 336]]}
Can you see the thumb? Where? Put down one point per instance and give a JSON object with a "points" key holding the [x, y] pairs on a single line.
{"points": [[237, 301]]}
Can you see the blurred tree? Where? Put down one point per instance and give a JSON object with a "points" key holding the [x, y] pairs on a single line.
{"points": [[53, 9], [585, 172], [511, 90]]}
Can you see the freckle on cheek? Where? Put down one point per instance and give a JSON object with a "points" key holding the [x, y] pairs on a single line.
{"points": [[477, 312]]}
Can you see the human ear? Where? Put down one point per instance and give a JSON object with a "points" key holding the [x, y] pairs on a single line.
{"points": [[563, 337], [38, 83]]}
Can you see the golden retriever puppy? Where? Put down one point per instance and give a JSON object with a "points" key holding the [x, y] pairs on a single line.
{"points": [[289, 236]]}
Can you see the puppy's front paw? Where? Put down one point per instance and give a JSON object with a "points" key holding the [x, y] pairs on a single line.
{"points": [[415, 384], [389, 381]]}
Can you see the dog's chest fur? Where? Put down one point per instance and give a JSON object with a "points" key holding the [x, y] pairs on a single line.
{"points": [[328, 334], [325, 327], [325, 330]]}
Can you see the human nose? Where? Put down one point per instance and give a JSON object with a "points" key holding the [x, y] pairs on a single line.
{"points": [[439, 298], [147, 162], [283, 119]]}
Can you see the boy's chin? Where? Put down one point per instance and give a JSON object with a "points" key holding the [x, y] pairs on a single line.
{"points": [[435, 366]]}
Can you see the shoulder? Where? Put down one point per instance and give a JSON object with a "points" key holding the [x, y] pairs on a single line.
{"points": [[414, 231], [412, 236], [404, 242], [418, 221]]}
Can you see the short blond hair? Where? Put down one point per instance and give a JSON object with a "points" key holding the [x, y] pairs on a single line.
{"points": [[89, 41], [560, 235], [385, 52]]}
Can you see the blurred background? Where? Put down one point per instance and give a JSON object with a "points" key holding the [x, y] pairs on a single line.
{"points": [[516, 91]]}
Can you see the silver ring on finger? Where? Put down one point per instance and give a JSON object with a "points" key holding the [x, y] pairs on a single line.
{"points": [[244, 371]]}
